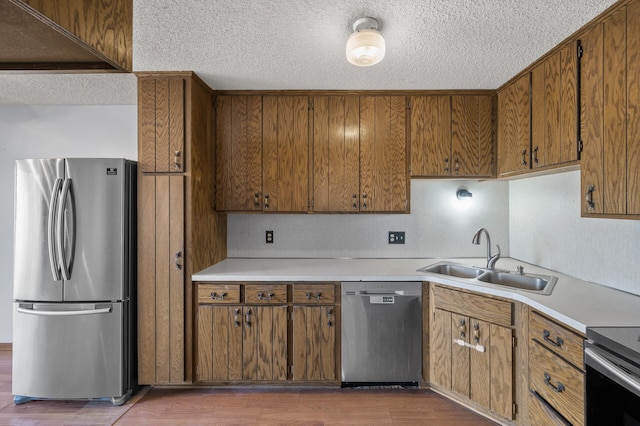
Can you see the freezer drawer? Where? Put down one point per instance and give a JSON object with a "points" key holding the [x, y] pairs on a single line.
{"points": [[70, 350]]}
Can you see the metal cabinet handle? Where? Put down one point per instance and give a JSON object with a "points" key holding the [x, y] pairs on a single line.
{"points": [[329, 317], [268, 296], [176, 159], [446, 165], [236, 320], [355, 201], [256, 199], [456, 169], [590, 203], [247, 318], [266, 201], [177, 261], [311, 295], [535, 154], [556, 388], [216, 296], [463, 329], [523, 161], [364, 200], [476, 333], [546, 336]]}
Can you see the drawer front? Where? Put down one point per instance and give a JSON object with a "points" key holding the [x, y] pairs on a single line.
{"points": [[557, 338], [542, 414], [474, 305], [313, 293], [558, 382], [265, 294], [218, 293]]}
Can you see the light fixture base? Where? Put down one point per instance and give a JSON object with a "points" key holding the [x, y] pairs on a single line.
{"points": [[365, 24]]}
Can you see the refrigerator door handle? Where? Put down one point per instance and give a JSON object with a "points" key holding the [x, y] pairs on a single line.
{"points": [[51, 231], [64, 313], [64, 266]]}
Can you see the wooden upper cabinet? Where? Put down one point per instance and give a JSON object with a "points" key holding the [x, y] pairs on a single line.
{"points": [[336, 154], [451, 136], [161, 125], [239, 153], [513, 127], [554, 138], [471, 136], [383, 154], [610, 123], [285, 158], [430, 136]]}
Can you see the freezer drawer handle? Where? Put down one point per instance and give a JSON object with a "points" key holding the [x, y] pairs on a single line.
{"points": [[64, 313], [53, 258]]}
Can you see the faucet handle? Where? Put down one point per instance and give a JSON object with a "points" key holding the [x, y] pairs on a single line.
{"points": [[520, 270], [491, 262]]}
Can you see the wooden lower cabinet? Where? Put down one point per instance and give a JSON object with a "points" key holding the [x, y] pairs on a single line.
{"points": [[255, 333], [472, 357]]}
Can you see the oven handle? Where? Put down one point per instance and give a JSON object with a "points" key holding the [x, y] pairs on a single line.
{"points": [[600, 362]]}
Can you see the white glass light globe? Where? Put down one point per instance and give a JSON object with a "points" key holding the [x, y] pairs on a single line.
{"points": [[365, 48]]}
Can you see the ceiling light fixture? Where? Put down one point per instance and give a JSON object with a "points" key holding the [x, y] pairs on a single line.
{"points": [[365, 47]]}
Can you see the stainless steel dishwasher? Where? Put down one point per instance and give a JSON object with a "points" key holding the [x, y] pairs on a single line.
{"points": [[381, 333]]}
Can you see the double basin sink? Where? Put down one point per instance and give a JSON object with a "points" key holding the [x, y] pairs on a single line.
{"points": [[541, 284]]}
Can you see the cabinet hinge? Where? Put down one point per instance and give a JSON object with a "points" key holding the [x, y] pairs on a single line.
{"points": [[310, 103], [514, 341], [579, 49], [408, 104], [291, 369], [215, 103], [514, 409], [580, 146]]}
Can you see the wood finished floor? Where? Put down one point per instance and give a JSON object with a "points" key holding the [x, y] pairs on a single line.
{"points": [[246, 406]]}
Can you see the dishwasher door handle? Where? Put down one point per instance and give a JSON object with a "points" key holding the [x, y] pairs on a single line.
{"points": [[378, 293]]}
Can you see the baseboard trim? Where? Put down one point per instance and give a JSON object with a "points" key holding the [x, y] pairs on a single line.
{"points": [[5, 346]]}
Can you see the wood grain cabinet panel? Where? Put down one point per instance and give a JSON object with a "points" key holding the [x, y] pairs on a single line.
{"points": [[265, 294], [239, 153], [336, 154], [285, 159], [471, 357], [609, 105], [314, 343], [219, 293], [314, 294], [431, 136], [514, 123], [384, 175]]}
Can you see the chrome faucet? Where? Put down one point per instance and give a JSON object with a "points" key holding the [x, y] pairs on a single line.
{"points": [[491, 260]]}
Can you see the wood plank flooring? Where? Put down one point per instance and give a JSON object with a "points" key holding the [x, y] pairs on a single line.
{"points": [[246, 406]]}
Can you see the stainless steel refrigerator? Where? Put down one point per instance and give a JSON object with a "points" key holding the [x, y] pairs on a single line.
{"points": [[74, 279]]}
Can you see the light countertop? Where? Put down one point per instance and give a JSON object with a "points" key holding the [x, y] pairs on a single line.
{"points": [[577, 303]]}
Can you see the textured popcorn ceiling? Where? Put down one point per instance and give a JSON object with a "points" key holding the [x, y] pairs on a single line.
{"points": [[299, 44]]}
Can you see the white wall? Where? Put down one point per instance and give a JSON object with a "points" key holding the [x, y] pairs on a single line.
{"points": [[436, 227], [52, 131], [546, 229]]}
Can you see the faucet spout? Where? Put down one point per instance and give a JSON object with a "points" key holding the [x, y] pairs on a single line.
{"points": [[491, 259]]}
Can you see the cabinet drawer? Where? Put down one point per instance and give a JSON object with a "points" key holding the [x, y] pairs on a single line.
{"points": [[473, 305], [557, 338], [558, 382], [313, 293], [218, 293], [265, 294], [542, 414]]}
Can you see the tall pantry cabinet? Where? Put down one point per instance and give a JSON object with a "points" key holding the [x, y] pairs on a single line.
{"points": [[178, 230]]}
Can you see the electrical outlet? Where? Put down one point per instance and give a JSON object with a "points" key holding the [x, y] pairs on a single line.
{"points": [[396, 237], [268, 237]]}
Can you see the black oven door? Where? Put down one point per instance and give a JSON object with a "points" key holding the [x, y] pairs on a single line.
{"points": [[612, 389]]}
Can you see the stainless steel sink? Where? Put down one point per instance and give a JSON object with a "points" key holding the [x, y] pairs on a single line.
{"points": [[540, 284], [536, 283], [453, 270]]}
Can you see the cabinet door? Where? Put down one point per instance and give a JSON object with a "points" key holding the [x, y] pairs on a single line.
{"points": [[430, 136], [440, 349], [480, 362], [383, 154], [239, 153], [285, 160], [264, 343], [471, 136], [314, 343], [501, 355], [336, 154], [161, 300], [513, 127], [161, 125], [633, 108], [219, 353], [460, 371]]}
